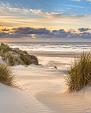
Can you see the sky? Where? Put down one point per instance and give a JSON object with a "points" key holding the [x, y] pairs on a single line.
{"points": [[50, 14]]}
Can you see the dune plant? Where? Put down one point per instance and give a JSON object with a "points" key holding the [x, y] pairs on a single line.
{"points": [[25, 59], [4, 48], [79, 74], [5, 75], [15, 56], [9, 58]]}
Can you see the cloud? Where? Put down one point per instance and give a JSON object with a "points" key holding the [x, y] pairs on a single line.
{"points": [[82, 0], [54, 22], [76, 0], [83, 29], [11, 16], [8, 10], [26, 32], [88, 0], [23, 32]]}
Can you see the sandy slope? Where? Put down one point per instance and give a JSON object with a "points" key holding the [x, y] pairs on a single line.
{"points": [[43, 90], [67, 103], [36, 79], [15, 101], [47, 85]]}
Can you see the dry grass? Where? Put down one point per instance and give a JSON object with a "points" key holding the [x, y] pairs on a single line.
{"points": [[5, 75], [80, 73]]}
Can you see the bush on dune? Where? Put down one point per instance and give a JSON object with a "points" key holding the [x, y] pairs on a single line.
{"points": [[79, 75], [34, 59], [28, 59], [25, 58], [4, 48], [5, 75], [9, 58], [15, 56]]}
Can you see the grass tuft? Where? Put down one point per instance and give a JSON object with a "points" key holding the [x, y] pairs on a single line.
{"points": [[79, 75], [4, 48], [5, 75]]}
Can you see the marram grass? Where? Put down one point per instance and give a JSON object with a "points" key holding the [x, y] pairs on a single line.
{"points": [[79, 74], [5, 75]]}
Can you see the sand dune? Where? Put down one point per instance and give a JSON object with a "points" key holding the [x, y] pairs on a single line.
{"points": [[48, 87], [16, 101], [67, 103], [35, 79], [42, 89]]}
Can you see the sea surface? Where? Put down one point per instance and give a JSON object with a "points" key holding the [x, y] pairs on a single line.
{"points": [[50, 53], [53, 46]]}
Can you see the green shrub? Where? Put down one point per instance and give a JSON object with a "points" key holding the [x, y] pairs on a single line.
{"points": [[15, 56], [80, 73], [9, 58], [5, 75], [4, 48], [25, 59]]}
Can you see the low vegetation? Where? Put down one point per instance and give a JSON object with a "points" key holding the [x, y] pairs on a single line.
{"points": [[5, 75], [15, 56], [4, 48], [79, 75]]}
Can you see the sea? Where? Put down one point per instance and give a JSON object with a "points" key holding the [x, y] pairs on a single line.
{"points": [[53, 46], [51, 54]]}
